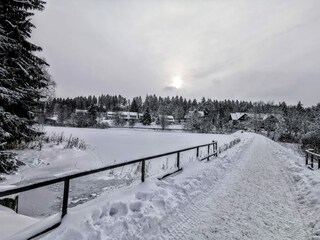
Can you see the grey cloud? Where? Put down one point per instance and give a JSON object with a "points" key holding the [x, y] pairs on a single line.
{"points": [[169, 88], [246, 49]]}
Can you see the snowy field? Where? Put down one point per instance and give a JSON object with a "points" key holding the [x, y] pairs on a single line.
{"points": [[106, 147]]}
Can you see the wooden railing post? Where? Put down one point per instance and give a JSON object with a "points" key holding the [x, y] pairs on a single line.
{"points": [[307, 156], [178, 160], [208, 151], [143, 168], [65, 197], [197, 152], [312, 161]]}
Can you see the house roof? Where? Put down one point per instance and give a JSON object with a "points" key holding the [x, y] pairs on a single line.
{"points": [[190, 113], [259, 116], [237, 115], [81, 111]]}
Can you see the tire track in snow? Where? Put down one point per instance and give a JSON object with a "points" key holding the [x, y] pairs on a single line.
{"points": [[253, 202]]}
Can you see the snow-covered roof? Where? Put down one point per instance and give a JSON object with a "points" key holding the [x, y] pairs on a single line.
{"points": [[190, 113], [237, 115], [259, 116], [54, 118], [81, 111], [167, 117], [124, 113]]}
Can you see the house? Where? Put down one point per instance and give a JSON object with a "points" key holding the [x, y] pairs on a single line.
{"points": [[259, 120], [110, 115], [51, 121], [190, 113], [125, 115], [80, 112], [271, 119], [237, 117], [168, 118]]}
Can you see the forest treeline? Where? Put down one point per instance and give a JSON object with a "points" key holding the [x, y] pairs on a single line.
{"points": [[295, 123]]}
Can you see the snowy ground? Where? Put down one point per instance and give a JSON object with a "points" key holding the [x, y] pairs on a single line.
{"points": [[106, 147], [256, 190]]}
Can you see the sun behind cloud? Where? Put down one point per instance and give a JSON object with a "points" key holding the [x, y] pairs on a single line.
{"points": [[177, 82]]}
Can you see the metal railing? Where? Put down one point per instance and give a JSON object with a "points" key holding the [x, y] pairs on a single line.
{"points": [[66, 179], [313, 157]]}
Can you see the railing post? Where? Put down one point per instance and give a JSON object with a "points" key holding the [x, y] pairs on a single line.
{"points": [[215, 148], [197, 152], [16, 199], [208, 151], [65, 197], [143, 168], [307, 156], [318, 162], [312, 161], [178, 160]]}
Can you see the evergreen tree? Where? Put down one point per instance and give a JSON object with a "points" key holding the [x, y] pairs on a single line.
{"points": [[118, 121], [134, 106], [93, 113], [146, 118], [22, 74], [163, 121]]}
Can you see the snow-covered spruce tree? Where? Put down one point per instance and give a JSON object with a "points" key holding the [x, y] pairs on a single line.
{"points": [[134, 106], [146, 118], [22, 74]]}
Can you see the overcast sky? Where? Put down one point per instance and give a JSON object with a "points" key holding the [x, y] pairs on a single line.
{"points": [[221, 49]]}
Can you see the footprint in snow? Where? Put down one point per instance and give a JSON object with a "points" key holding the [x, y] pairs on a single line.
{"points": [[143, 196], [135, 207], [118, 209]]}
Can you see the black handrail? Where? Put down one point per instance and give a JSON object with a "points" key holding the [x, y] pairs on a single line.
{"points": [[312, 155], [66, 179]]}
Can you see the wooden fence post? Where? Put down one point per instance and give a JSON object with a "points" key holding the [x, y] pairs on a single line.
{"points": [[208, 151], [307, 156], [65, 197], [312, 161]]}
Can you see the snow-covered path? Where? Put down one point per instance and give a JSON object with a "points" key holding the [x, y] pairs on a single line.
{"points": [[253, 201]]}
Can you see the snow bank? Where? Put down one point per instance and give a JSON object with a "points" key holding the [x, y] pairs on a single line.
{"points": [[306, 184], [11, 222], [134, 212], [54, 160]]}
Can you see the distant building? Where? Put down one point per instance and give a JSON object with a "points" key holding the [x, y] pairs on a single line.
{"points": [[80, 112], [125, 115], [262, 118], [169, 118], [50, 121], [190, 113], [237, 117]]}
